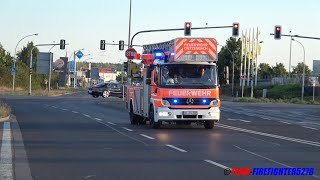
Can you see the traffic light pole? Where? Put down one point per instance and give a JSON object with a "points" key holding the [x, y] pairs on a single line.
{"points": [[175, 29]]}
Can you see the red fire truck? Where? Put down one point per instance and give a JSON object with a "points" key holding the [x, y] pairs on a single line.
{"points": [[179, 84]]}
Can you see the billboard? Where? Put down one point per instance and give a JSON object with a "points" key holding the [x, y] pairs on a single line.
{"points": [[316, 67], [95, 73], [60, 65], [43, 62]]}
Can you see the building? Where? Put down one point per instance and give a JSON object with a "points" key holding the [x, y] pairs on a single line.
{"points": [[108, 75]]}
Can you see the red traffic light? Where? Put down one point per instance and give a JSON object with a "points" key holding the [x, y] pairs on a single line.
{"points": [[187, 25], [187, 28], [235, 29], [277, 32], [278, 29], [235, 26]]}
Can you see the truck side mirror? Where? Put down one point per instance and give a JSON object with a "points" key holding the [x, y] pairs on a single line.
{"points": [[149, 70], [148, 81]]}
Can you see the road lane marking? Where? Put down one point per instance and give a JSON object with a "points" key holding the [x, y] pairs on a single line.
{"points": [[244, 121], [64, 109], [271, 160], [75, 112], [149, 137], [98, 119], [6, 166], [284, 122], [310, 128], [259, 139], [127, 129], [53, 106], [89, 176], [216, 164], [86, 115], [266, 118], [137, 140], [176, 148], [230, 119], [111, 123], [312, 143]]}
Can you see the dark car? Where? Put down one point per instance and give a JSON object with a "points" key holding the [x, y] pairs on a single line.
{"points": [[105, 90]]}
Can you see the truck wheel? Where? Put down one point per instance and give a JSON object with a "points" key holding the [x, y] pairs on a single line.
{"points": [[208, 124], [133, 117], [154, 125], [105, 94]]}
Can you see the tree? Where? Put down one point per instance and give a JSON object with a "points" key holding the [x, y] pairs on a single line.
{"points": [[5, 58], [119, 77], [265, 71], [299, 69], [279, 70], [24, 54], [225, 59]]}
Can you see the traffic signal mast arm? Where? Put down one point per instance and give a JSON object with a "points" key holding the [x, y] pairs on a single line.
{"points": [[297, 36], [175, 29]]}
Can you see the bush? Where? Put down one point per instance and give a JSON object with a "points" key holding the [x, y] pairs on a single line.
{"points": [[5, 110]]}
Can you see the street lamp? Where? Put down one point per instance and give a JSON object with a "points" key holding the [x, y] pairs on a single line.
{"points": [[290, 53], [15, 58], [303, 73]]}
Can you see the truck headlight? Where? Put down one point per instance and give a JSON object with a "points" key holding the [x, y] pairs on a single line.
{"points": [[165, 103], [164, 114], [214, 102]]}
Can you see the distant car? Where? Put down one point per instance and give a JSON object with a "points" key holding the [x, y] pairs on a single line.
{"points": [[105, 90]]}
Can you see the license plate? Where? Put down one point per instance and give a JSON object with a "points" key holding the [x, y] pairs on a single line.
{"points": [[190, 113], [90, 91]]}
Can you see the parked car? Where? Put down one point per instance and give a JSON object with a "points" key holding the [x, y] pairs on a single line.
{"points": [[105, 90]]}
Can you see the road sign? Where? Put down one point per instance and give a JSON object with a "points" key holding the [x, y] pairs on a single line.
{"points": [[130, 52], [71, 66], [79, 54], [13, 70]]}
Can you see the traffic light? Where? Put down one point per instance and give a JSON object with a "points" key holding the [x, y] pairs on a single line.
{"points": [[102, 44], [235, 29], [125, 66], [121, 45], [62, 44], [277, 32], [187, 28]]}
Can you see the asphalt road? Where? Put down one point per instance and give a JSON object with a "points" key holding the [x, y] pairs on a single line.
{"points": [[80, 137]]}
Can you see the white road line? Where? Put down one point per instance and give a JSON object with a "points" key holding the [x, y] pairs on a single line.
{"points": [[64, 109], [310, 127], [216, 164], [98, 119], [86, 115], [53, 106], [266, 118], [127, 129], [284, 122], [312, 143], [6, 166], [137, 140], [244, 121], [176, 148], [75, 112], [146, 136], [230, 119], [111, 123], [271, 160]]}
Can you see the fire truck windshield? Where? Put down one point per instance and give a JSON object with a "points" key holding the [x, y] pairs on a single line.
{"points": [[188, 75]]}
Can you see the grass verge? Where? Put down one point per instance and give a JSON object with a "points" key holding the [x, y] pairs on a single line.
{"points": [[307, 100]]}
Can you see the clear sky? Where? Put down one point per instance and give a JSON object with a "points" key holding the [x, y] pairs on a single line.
{"points": [[83, 23]]}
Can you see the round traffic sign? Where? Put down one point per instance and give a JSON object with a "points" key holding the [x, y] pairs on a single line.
{"points": [[130, 52]]}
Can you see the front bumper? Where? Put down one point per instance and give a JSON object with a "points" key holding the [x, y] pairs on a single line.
{"points": [[212, 114]]}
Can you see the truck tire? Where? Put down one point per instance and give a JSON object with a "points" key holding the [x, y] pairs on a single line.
{"points": [[154, 125], [208, 124], [133, 117]]}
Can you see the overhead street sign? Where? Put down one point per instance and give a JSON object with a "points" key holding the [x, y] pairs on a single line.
{"points": [[79, 54], [130, 52]]}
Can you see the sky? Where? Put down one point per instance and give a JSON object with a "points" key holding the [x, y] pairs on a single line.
{"points": [[84, 23]]}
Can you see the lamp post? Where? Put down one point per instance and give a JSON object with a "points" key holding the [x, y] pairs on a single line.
{"points": [[290, 53], [75, 67], [303, 73], [15, 59]]}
